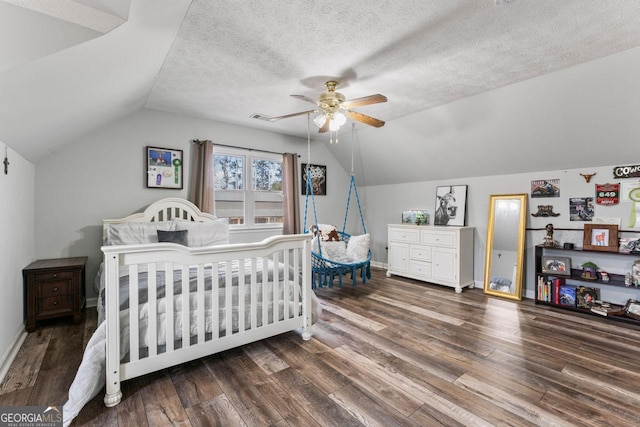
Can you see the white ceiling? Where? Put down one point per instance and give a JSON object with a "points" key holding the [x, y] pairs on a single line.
{"points": [[72, 66]]}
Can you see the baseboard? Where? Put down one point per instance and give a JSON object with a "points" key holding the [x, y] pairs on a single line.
{"points": [[92, 302], [12, 351], [378, 264]]}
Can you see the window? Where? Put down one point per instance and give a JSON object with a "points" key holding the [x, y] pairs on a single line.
{"points": [[248, 187]]}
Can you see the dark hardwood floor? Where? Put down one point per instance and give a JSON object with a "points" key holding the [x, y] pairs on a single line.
{"points": [[391, 352]]}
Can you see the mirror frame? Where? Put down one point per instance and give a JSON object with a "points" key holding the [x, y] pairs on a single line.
{"points": [[522, 223]]}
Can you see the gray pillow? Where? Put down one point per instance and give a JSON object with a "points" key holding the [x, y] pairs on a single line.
{"points": [[177, 236]]}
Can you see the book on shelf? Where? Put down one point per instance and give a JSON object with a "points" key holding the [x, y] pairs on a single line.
{"points": [[558, 282], [607, 309]]}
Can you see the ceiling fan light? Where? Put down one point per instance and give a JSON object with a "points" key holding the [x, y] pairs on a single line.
{"points": [[339, 118], [319, 120], [333, 125]]}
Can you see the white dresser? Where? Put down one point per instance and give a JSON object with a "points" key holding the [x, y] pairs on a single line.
{"points": [[442, 255]]}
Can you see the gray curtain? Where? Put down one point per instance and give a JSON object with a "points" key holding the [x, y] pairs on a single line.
{"points": [[201, 183], [291, 193]]}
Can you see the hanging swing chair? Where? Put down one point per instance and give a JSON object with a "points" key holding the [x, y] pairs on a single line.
{"points": [[325, 269]]}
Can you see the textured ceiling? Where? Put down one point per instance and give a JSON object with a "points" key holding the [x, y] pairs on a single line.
{"points": [[232, 59], [226, 60]]}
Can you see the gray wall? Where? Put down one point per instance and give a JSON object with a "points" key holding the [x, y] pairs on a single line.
{"points": [[101, 176], [384, 205], [16, 248]]}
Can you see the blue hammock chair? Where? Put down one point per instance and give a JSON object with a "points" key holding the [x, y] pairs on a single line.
{"points": [[325, 270]]}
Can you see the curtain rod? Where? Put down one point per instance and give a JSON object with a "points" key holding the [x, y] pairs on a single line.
{"points": [[197, 141]]}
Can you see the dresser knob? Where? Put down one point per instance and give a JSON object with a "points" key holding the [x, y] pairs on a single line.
{"points": [[55, 289], [55, 275], [55, 302]]}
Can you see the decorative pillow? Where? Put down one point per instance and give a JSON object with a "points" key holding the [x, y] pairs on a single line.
{"points": [[136, 233], [209, 233], [327, 232], [500, 281], [358, 247], [175, 236], [335, 251]]}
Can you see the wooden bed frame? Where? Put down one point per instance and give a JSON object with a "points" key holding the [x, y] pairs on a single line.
{"points": [[292, 250]]}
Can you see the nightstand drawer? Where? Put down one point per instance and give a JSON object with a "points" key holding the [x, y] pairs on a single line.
{"points": [[52, 289], [60, 275], [57, 304]]}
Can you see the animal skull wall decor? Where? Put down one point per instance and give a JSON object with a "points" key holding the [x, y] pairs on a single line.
{"points": [[587, 177]]}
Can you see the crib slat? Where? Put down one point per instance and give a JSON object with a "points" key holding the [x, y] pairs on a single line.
{"points": [[168, 305], [134, 314], [200, 298], [276, 287], [228, 302], [296, 281], [152, 311], [215, 300], [186, 326], [286, 280], [254, 289], [265, 297], [241, 291]]}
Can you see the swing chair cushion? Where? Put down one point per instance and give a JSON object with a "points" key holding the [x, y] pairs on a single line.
{"points": [[334, 251], [358, 248]]}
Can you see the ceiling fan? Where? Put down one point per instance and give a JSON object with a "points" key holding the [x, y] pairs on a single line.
{"points": [[334, 109]]}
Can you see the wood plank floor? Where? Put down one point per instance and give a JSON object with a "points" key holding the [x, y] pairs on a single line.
{"points": [[391, 352]]}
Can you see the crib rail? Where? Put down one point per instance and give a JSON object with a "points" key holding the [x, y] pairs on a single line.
{"points": [[239, 297]]}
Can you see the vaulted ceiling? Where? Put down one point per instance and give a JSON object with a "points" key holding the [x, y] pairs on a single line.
{"points": [[69, 67]]}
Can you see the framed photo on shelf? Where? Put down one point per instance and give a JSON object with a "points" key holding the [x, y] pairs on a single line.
{"points": [[163, 168], [560, 266], [451, 205], [600, 237]]}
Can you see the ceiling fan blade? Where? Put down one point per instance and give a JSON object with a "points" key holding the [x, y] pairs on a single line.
{"points": [[305, 98], [325, 126], [363, 119], [273, 119], [366, 100]]}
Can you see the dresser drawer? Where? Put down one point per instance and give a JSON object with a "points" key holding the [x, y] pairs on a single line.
{"points": [[420, 268], [56, 304], [440, 238], [52, 289], [404, 235], [61, 275], [421, 253]]}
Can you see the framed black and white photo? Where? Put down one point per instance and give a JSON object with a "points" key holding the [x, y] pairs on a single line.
{"points": [[318, 179], [163, 168], [451, 205]]}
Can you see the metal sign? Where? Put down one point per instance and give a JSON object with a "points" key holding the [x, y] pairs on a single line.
{"points": [[607, 194], [626, 172]]}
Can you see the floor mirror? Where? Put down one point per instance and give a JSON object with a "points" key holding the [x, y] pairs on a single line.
{"points": [[504, 262]]}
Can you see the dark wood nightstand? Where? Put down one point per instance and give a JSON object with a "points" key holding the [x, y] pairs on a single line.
{"points": [[54, 288]]}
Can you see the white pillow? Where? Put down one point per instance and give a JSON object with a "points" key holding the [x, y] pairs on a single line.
{"points": [[335, 251], [209, 233], [135, 233], [358, 247]]}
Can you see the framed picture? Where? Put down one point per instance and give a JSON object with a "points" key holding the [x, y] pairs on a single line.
{"points": [[318, 179], [545, 188], [560, 266], [451, 205], [600, 237], [163, 168]]}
